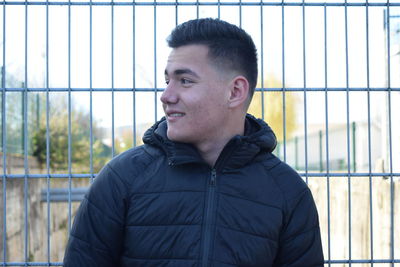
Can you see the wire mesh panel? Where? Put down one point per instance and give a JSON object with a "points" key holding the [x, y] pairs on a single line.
{"points": [[81, 81]]}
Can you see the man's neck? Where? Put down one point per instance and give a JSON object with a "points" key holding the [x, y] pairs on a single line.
{"points": [[211, 152], [211, 149]]}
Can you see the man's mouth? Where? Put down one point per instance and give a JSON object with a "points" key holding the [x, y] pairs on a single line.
{"points": [[176, 115]]}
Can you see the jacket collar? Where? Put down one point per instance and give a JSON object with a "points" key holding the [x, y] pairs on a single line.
{"points": [[239, 151]]}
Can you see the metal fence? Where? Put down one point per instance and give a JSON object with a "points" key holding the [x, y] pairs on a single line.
{"points": [[81, 81]]}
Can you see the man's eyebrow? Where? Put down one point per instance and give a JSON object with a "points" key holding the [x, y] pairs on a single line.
{"points": [[183, 71]]}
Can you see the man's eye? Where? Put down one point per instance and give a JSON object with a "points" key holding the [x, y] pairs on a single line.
{"points": [[166, 82], [185, 81]]}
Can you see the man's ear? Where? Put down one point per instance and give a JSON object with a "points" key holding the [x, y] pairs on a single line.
{"points": [[239, 92]]}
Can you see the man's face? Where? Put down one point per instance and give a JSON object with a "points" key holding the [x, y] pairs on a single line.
{"points": [[195, 100]]}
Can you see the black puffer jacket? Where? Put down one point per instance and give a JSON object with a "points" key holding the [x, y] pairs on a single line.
{"points": [[161, 205]]}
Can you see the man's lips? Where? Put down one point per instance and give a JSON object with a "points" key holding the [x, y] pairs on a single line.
{"points": [[174, 114]]}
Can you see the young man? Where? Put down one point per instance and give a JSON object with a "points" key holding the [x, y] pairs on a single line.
{"points": [[205, 189]]}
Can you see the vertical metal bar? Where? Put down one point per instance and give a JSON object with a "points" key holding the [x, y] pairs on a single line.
{"points": [[48, 161], [176, 13], [69, 142], [91, 89], [4, 137], [48, 164], [348, 126], [283, 82], [134, 70], [25, 134], [262, 63], [328, 201], [112, 82], [369, 138], [240, 13], [390, 140], [353, 136], [48, 177], [219, 9], [197, 9], [38, 104], [69, 113], [22, 120], [284, 125], [305, 93], [321, 166], [155, 60]]}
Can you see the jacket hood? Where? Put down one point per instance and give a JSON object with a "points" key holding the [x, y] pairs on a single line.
{"points": [[239, 151]]}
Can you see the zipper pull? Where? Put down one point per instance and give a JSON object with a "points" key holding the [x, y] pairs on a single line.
{"points": [[213, 181]]}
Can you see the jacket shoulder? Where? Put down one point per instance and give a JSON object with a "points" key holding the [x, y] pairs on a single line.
{"points": [[287, 180], [132, 162]]}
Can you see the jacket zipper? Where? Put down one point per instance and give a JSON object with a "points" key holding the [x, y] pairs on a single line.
{"points": [[209, 214]]}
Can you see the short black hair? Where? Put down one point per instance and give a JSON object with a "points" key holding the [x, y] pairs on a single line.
{"points": [[229, 45]]}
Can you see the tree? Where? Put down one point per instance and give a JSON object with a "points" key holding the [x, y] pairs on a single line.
{"points": [[79, 142], [273, 108]]}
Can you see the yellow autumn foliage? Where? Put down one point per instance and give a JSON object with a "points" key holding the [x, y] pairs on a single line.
{"points": [[273, 108]]}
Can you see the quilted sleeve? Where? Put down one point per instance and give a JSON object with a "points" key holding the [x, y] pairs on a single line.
{"points": [[300, 240], [96, 237]]}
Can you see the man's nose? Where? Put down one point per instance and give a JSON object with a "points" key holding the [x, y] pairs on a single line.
{"points": [[169, 96]]}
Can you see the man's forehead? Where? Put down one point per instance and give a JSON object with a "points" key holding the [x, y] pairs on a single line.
{"points": [[180, 71], [187, 59]]}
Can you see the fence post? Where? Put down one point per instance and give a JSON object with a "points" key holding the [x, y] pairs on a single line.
{"points": [[320, 151], [22, 119], [353, 134]]}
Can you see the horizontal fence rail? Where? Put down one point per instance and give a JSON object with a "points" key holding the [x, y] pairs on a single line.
{"points": [[199, 3], [271, 89]]}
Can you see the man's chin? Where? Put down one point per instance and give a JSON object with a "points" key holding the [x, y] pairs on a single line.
{"points": [[172, 136], [175, 137]]}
